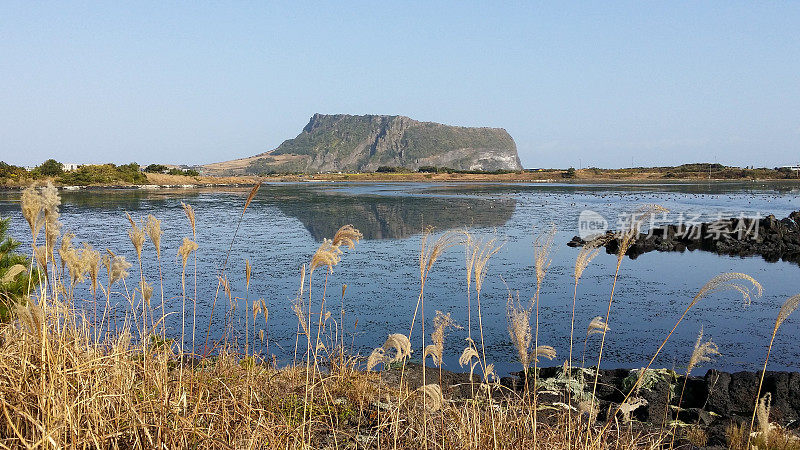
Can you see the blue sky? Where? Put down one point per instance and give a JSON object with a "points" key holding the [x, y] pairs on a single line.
{"points": [[601, 84]]}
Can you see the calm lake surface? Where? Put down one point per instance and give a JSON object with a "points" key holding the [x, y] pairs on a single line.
{"points": [[286, 222]]}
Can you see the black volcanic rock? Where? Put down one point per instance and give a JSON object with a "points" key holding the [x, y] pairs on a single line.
{"points": [[772, 239]]}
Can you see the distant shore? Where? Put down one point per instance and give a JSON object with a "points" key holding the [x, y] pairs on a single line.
{"points": [[164, 181]]}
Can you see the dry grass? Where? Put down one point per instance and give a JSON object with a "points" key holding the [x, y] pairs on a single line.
{"points": [[112, 379]]}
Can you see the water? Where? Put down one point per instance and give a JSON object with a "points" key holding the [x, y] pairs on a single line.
{"points": [[286, 222]]}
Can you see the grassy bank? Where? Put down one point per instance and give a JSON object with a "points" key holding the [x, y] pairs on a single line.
{"points": [[80, 372]]}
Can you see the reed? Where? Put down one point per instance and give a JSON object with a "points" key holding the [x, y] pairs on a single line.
{"points": [[703, 351], [542, 246], [788, 307], [152, 227], [188, 210], [250, 197]]}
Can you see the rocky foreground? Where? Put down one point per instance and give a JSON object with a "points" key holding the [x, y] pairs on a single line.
{"points": [[771, 238], [712, 402]]}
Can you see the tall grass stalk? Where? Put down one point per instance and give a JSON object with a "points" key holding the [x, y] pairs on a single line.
{"points": [[788, 307], [247, 274], [703, 351], [188, 210], [250, 198], [427, 257], [586, 254], [625, 239], [542, 246]]}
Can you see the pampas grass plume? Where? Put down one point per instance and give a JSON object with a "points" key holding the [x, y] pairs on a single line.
{"points": [[545, 351], [32, 207], [703, 351], [787, 309], [187, 247], [730, 281], [433, 395], [247, 273], [397, 342], [467, 355], [347, 236], [136, 235], [147, 291], [153, 228], [116, 266], [519, 329], [91, 261], [440, 322], [189, 211], [326, 255], [596, 326], [542, 247]]}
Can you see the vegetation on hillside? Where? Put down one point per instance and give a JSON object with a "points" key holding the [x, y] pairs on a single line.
{"points": [[106, 372], [429, 139], [269, 165]]}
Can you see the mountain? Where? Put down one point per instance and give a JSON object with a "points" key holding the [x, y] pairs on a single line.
{"points": [[347, 143]]}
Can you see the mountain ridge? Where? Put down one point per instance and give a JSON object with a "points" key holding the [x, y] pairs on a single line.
{"points": [[363, 143]]}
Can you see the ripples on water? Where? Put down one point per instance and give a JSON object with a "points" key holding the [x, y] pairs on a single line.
{"points": [[286, 222]]}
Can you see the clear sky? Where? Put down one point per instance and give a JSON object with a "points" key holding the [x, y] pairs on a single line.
{"points": [[601, 84]]}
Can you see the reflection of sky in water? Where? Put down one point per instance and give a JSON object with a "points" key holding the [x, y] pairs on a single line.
{"points": [[284, 224]]}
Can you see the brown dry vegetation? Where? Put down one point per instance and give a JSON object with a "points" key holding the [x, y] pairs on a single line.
{"points": [[95, 377], [160, 178], [548, 175]]}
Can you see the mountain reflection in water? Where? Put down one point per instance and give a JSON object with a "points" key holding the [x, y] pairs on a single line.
{"points": [[394, 217]]}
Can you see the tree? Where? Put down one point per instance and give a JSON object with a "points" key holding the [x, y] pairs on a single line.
{"points": [[570, 173], [156, 168], [50, 168], [14, 270]]}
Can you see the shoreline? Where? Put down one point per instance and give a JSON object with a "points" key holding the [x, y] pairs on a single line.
{"points": [[240, 182]]}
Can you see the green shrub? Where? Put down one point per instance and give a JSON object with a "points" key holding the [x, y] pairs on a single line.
{"points": [[156, 168], [391, 169], [14, 273], [103, 174]]}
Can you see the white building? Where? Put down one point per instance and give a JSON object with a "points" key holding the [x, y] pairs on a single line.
{"points": [[69, 167]]}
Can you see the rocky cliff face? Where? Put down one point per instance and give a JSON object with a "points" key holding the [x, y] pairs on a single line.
{"points": [[341, 142]]}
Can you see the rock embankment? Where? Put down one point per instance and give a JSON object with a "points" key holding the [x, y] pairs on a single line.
{"points": [[712, 402], [773, 239]]}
